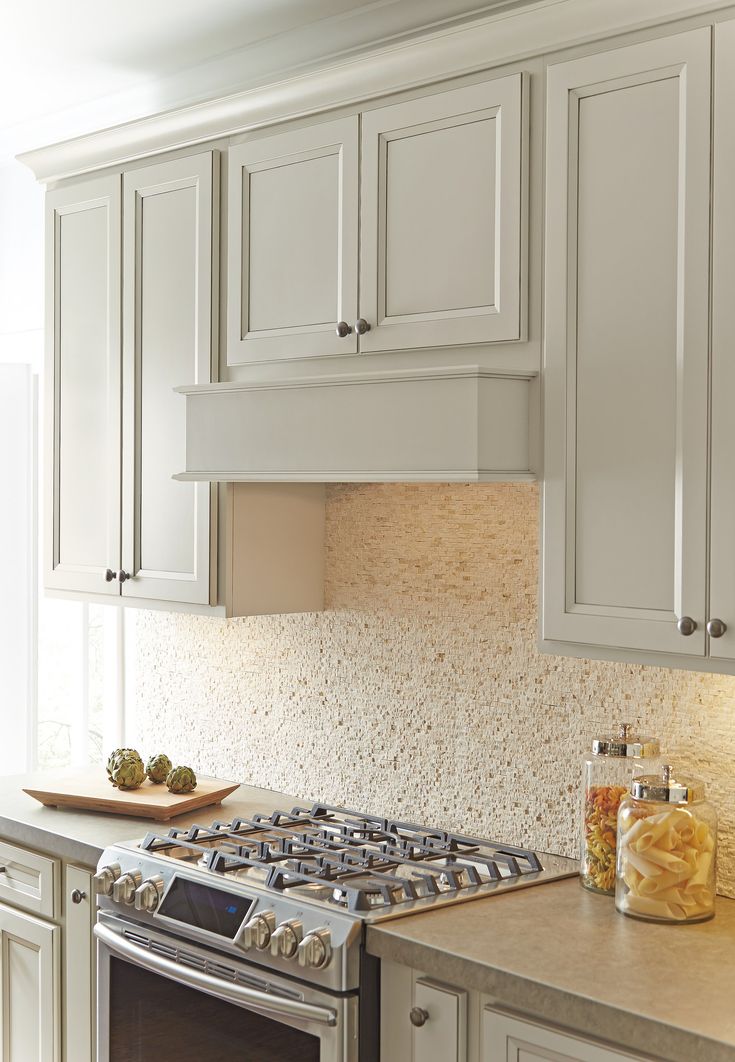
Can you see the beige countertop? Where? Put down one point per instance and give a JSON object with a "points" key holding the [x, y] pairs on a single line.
{"points": [[81, 836], [567, 957]]}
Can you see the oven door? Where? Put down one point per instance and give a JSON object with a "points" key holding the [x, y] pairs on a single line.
{"points": [[163, 1000]]}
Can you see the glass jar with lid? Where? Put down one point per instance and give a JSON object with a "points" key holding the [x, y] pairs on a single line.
{"points": [[607, 774], [667, 850]]}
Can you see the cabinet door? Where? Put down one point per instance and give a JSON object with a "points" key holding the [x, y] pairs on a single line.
{"points": [[508, 1039], [83, 383], [440, 218], [626, 308], [79, 966], [29, 988], [292, 244], [722, 527], [167, 305], [441, 1011]]}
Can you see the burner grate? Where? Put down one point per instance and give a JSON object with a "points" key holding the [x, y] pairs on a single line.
{"points": [[366, 861]]}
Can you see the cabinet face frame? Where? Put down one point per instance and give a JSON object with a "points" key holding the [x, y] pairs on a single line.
{"points": [[503, 100], [338, 139], [45, 940], [197, 172], [100, 193], [685, 57]]}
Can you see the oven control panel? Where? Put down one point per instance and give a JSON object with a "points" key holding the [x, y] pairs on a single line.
{"points": [[272, 929]]}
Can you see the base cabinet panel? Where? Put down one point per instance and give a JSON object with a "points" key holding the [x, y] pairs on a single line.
{"points": [[29, 988], [79, 966], [509, 1039]]}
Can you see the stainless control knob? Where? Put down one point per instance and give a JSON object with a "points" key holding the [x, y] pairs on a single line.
{"points": [[149, 893], [686, 626], [105, 878], [716, 628], [258, 931], [286, 939], [315, 950], [123, 891], [418, 1016], [343, 329], [361, 326], [110, 576]]}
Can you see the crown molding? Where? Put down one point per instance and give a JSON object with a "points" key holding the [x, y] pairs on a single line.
{"points": [[541, 27]]}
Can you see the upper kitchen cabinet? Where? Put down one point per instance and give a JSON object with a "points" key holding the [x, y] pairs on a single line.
{"points": [[82, 416], [132, 314], [292, 227], [168, 249], [626, 347], [441, 207], [721, 626], [117, 523], [435, 187]]}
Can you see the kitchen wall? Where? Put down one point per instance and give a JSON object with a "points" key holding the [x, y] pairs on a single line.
{"points": [[419, 692]]}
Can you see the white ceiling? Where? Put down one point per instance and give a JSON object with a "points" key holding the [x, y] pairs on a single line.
{"points": [[143, 56]]}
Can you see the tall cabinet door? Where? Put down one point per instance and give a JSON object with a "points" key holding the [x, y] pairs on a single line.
{"points": [[292, 244], [626, 308], [29, 988], [82, 386], [441, 202], [722, 527], [169, 251]]}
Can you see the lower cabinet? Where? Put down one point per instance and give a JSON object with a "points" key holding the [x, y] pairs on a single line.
{"points": [[47, 1015], [505, 1038], [425, 1020], [30, 988]]}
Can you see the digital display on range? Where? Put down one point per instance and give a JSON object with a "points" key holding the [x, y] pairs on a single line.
{"points": [[199, 905]]}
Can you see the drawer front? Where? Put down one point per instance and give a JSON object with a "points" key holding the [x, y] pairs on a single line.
{"points": [[29, 880]]}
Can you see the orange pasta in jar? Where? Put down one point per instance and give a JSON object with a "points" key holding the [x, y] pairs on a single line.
{"points": [[607, 776], [599, 851]]}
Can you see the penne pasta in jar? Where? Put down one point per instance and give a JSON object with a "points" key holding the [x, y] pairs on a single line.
{"points": [[666, 859]]}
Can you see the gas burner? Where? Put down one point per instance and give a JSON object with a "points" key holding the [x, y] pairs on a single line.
{"points": [[356, 862]]}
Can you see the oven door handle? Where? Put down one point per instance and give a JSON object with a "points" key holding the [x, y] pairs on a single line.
{"points": [[189, 975]]}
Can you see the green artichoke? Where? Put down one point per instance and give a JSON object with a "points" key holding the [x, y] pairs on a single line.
{"points": [[116, 754], [181, 780], [158, 768], [128, 771]]}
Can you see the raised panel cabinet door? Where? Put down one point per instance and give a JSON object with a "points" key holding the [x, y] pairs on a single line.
{"points": [[722, 496], [79, 965], [438, 1023], [83, 386], [29, 988], [626, 359], [169, 250], [292, 244], [442, 196], [509, 1039]]}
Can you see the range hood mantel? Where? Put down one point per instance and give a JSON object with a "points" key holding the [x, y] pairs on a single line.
{"points": [[465, 424]]}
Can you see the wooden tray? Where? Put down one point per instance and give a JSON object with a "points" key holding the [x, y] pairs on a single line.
{"points": [[90, 791]]}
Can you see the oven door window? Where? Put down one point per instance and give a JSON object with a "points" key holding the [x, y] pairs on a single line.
{"points": [[153, 1019]]}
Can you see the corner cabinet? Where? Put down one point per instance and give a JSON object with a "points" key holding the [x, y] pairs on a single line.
{"points": [[626, 350], [314, 209]]}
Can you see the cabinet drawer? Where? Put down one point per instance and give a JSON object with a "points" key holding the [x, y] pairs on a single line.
{"points": [[29, 881]]}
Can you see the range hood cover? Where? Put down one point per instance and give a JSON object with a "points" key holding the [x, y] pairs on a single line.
{"points": [[460, 424]]}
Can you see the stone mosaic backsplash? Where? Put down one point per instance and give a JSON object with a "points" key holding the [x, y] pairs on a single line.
{"points": [[419, 692]]}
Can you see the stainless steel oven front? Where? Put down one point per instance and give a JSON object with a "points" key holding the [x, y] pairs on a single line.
{"points": [[163, 999]]}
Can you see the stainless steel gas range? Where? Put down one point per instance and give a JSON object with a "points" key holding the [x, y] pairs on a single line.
{"points": [[244, 940]]}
